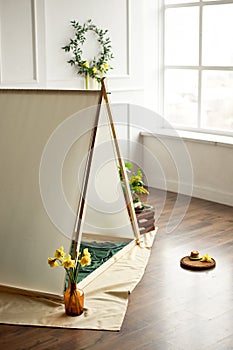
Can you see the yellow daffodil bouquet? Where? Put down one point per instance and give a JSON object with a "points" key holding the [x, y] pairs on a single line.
{"points": [[70, 265]]}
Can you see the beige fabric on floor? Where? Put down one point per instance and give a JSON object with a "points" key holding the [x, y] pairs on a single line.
{"points": [[106, 298]]}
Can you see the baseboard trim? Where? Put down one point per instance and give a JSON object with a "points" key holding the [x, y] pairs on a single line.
{"points": [[206, 193]]}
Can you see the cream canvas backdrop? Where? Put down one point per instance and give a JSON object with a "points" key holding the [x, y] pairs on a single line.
{"points": [[28, 237]]}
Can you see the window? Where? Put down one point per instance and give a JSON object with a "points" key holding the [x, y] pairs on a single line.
{"points": [[198, 65]]}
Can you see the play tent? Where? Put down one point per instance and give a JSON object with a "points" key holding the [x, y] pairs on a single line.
{"points": [[59, 184]]}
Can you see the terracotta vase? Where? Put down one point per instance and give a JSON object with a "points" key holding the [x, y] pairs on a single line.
{"points": [[74, 300]]}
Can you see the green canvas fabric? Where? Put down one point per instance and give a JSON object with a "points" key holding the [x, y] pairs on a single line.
{"points": [[100, 253]]}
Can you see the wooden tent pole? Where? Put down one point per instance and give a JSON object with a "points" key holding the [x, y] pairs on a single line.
{"points": [[127, 193], [77, 235]]}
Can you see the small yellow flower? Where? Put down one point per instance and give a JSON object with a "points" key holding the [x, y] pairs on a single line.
{"points": [[105, 66], [135, 178], [85, 260], [68, 262], [52, 262], [206, 258], [86, 64], [86, 252], [59, 253], [94, 70], [140, 190]]}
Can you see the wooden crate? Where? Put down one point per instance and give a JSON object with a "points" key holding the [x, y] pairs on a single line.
{"points": [[146, 220]]}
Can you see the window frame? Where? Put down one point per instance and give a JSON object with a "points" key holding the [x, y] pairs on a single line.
{"points": [[199, 68]]}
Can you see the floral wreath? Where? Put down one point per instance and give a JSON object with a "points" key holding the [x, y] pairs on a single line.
{"points": [[97, 67]]}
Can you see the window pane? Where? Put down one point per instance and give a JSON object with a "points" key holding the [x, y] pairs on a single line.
{"points": [[181, 36], [217, 101], [217, 35], [181, 89]]}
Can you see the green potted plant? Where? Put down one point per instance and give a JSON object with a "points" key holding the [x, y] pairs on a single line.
{"points": [[136, 185]]}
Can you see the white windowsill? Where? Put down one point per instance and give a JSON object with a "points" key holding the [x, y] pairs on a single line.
{"points": [[216, 140]]}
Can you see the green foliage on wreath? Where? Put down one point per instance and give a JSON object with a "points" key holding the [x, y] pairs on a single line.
{"points": [[99, 65]]}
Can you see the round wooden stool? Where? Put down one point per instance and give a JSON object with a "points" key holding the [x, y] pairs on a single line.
{"points": [[188, 264]]}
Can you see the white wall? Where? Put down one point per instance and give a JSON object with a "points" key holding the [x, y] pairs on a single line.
{"points": [[200, 168], [33, 32], [22, 48]]}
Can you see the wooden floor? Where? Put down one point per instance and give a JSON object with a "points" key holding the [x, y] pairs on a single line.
{"points": [[171, 308]]}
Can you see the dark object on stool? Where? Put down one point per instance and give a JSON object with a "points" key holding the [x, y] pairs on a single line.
{"points": [[146, 219]]}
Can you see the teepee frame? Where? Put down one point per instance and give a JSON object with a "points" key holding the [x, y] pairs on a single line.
{"points": [[80, 218]]}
